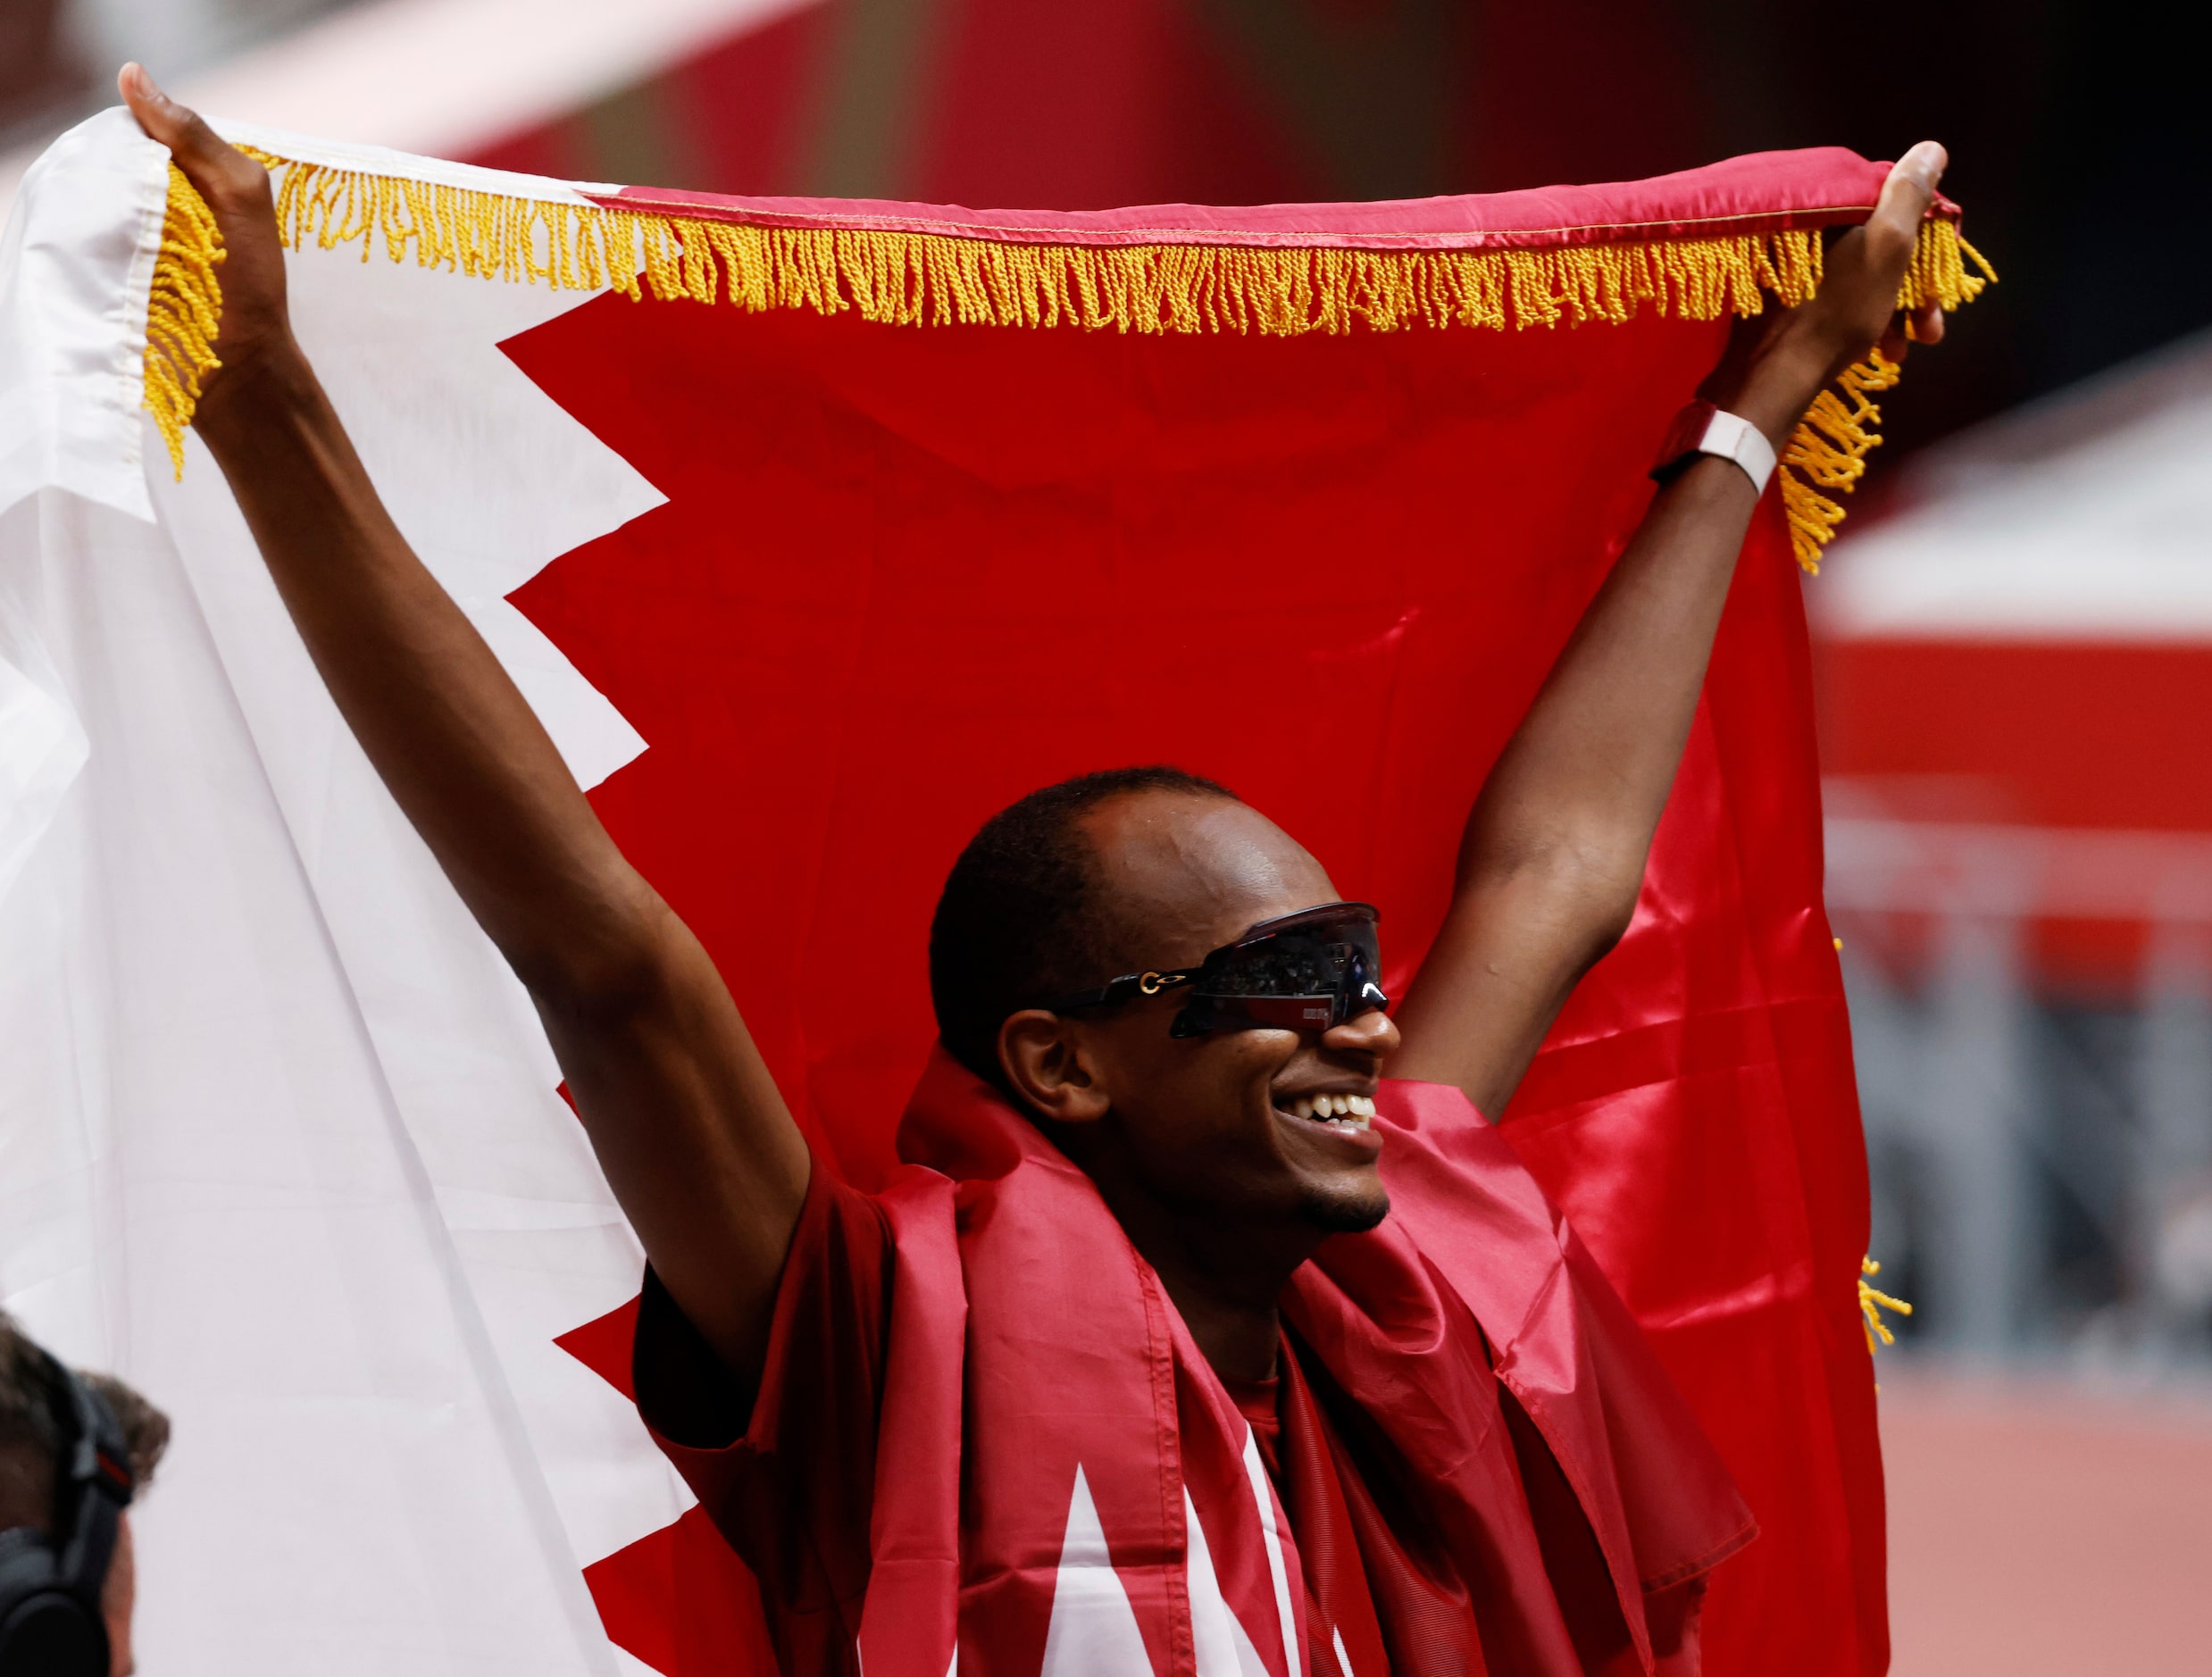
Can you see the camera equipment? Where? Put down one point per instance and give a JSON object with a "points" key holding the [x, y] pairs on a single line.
{"points": [[51, 1625]]}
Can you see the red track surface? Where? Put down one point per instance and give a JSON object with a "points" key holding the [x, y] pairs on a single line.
{"points": [[2036, 1531]]}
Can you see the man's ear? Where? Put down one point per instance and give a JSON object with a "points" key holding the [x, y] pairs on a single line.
{"points": [[1049, 1065]]}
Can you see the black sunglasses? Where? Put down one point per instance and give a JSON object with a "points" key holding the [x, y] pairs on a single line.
{"points": [[1304, 971]]}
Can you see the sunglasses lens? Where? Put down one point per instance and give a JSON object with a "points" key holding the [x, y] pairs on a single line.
{"points": [[1295, 964], [1304, 978]]}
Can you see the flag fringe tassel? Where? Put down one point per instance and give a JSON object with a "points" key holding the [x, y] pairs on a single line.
{"points": [[904, 278], [1827, 454], [1872, 1302], [183, 312]]}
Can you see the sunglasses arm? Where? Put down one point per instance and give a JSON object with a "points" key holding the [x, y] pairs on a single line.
{"points": [[1124, 989]]}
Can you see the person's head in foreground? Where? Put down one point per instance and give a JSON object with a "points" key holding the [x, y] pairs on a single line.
{"points": [[73, 1447], [1168, 983]]}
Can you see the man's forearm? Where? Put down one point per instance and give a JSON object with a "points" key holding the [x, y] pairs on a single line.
{"points": [[1553, 856], [688, 1125], [1579, 790], [443, 725]]}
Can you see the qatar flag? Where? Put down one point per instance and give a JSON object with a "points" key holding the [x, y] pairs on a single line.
{"points": [[816, 531]]}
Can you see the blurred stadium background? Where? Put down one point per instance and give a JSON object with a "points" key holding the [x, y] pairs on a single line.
{"points": [[2014, 640]]}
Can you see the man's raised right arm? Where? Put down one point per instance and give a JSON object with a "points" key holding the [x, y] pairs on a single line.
{"points": [[692, 1133]]}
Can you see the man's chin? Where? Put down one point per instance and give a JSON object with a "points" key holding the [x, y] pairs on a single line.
{"points": [[1350, 1211]]}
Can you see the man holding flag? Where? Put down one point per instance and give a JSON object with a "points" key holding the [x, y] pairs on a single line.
{"points": [[1195, 1342]]}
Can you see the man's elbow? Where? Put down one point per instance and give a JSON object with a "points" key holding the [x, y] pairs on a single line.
{"points": [[1584, 893], [601, 973], [1605, 889], [1605, 924]]}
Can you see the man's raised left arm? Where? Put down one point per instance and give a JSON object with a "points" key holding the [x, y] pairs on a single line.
{"points": [[1553, 858]]}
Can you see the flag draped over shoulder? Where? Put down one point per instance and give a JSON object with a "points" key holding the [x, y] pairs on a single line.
{"points": [[816, 531]]}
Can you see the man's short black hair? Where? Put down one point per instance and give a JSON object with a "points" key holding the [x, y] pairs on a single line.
{"points": [[1020, 921], [33, 1429]]}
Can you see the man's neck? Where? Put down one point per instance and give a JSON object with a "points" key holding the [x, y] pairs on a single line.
{"points": [[1225, 1274]]}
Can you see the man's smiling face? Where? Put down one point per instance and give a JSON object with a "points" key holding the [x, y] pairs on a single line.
{"points": [[1245, 1122]]}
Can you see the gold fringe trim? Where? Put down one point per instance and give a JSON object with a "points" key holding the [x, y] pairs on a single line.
{"points": [[1827, 453], [1872, 1302], [1938, 270], [902, 277], [183, 313], [898, 277]]}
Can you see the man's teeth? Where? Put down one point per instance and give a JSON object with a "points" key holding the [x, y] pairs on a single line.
{"points": [[1341, 1111]]}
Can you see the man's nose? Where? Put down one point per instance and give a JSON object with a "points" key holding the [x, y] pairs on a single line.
{"points": [[1370, 1032]]}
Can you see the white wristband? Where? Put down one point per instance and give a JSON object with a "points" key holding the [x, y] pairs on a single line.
{"points": [[1702, 429]]}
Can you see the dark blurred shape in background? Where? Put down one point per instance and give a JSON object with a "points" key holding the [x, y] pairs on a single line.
{"points": [[2081, 141], [2080, 144]]}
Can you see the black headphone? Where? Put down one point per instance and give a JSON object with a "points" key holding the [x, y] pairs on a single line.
{"points": [[51, 1625]]}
